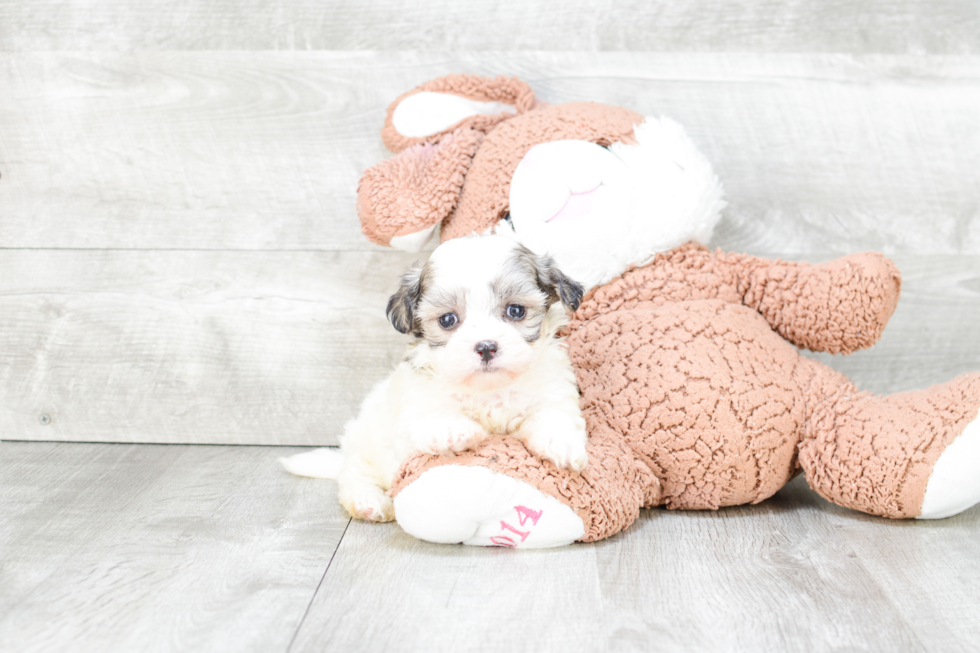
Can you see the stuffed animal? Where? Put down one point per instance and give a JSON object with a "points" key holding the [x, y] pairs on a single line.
{"points": [[693, 389]]}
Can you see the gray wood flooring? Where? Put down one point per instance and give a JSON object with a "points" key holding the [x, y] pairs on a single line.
{"points": [[157, 548], [113, 547], [181, 267]]}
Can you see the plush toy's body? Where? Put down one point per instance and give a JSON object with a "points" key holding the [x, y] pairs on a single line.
{"points": [[692, 387]]}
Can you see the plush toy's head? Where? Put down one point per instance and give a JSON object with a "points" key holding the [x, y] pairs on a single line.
{"points": [[598, 187]]}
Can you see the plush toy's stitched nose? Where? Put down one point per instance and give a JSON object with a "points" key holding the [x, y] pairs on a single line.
{"points": [[486, 349]]}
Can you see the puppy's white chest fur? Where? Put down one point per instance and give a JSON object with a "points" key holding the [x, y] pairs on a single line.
{"points": [[499, 413], [484, 312]]}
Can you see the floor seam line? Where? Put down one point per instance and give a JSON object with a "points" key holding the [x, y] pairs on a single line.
{"points": [[299, 626]]}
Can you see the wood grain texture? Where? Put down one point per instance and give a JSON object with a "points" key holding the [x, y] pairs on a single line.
{"points": [[791, 574], [156, 548], [940, 26], [263, 150], [281, 347], [925, 569], [387, 591], [199, 347]]}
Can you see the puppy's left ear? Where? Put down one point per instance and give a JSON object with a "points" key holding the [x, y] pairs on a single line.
{"points": [[402, 305], [557, 285]]}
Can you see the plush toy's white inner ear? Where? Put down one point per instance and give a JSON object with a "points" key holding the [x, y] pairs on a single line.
{"points": [[413, 242], [429, 113]]}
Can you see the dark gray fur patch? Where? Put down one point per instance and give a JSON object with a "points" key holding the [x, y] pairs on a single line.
{"points": [[518, 284], [550, 280], [403, 305]]}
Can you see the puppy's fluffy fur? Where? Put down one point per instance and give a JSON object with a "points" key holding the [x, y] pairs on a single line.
{"points": [[483, 311]]}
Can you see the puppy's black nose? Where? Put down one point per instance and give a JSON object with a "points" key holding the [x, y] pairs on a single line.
{"points": [[486, 349]]}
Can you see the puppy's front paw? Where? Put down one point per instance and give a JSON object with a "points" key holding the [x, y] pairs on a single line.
{"points": [[447, 435], [560, 438], [369, 504]]}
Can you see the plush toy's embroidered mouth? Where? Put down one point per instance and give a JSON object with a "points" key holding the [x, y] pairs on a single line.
{"points": [[578, 204]]}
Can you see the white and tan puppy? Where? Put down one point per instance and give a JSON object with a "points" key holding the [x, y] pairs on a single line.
{"points": [[483, 313]]}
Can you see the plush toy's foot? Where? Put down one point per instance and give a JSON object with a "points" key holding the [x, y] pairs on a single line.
{"points": [[910, 454], [453, 504], [954, 484]]}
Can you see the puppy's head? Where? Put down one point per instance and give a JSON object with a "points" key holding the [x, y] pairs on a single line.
{"points": [[480, 308]]}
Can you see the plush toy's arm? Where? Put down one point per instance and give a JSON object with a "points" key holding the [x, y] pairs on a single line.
{"points": [[839, 306]]}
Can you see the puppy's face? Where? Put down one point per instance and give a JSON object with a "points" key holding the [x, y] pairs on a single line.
{"points": [[479, 308]]}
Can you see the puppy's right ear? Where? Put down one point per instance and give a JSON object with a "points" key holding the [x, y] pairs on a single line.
{"points": [[440, 106], [402, 305], [558, 285]]}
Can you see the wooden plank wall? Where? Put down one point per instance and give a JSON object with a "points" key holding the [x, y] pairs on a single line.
{"points": [[180, 259], [873, 26]]}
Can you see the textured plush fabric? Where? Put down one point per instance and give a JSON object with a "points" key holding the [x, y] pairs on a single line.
{"points": [[701, 390], [607, 495], [694, 399], [840, 306], [674, 358], [501, 89], [694, 393], [422, 186], [485, 198], [875, 454], [417, 188]]}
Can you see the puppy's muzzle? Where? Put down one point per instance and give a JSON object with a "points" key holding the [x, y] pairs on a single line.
{"points": [[487, 349]]}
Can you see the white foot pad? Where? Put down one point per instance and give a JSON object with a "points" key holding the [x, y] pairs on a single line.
{"points": [[954, 484], [453, 504]]}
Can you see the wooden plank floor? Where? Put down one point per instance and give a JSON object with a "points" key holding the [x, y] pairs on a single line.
{"points": [[157, 548], [203, 548]]}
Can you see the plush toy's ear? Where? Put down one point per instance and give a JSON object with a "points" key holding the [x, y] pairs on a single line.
{"points": [[428, 113], [401, 201]]}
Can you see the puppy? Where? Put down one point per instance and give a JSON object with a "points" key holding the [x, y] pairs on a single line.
{"points": [[483, 313]]}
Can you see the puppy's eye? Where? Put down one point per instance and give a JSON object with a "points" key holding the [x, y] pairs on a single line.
{"points": [[448, 321], [516, 312]]}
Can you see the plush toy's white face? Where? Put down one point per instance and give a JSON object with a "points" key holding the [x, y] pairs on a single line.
{"points": [[598, 211], [478, 309]]}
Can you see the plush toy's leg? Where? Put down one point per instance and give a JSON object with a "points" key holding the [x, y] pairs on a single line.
{"points": [[500, 494], [469, 504], [910, 454]]}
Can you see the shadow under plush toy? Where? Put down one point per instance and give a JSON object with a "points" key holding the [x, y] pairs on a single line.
{"points": [[692, 387]]}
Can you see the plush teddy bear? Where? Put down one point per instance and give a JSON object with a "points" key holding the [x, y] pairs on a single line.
{"points": [[693, 389]]}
